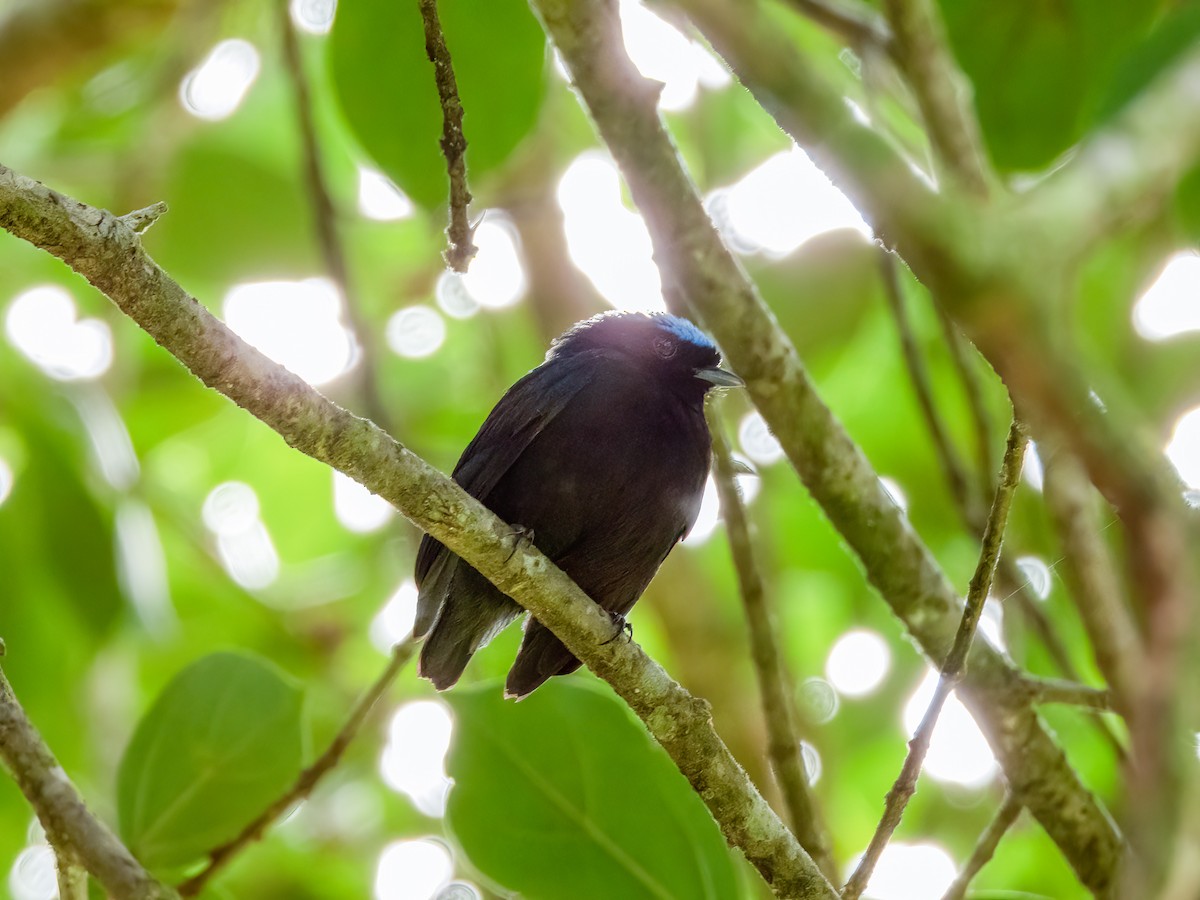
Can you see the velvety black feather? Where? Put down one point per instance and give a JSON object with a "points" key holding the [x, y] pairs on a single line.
{"points": [[602, 452]]}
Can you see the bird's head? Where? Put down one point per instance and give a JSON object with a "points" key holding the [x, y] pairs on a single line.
{"points": [[668, 347]]}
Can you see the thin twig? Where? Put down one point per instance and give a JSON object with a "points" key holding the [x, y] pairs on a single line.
{"points": [[952, 669], [961, 487], [325, 217], [1092, 577], [858, 25], [70, 827], [308, 779], [1057, 690], [783, 737], [920, 48], [985, 847], [952, 465], [963, 353], [461, 248]]}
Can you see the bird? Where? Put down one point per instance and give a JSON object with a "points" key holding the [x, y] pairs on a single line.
{"points": [[599, 456]]}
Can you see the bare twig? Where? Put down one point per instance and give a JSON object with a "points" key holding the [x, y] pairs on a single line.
{"points": [[985, 848], [325, 218], [461, 249], [1095, 586], [952, 670], [964, 356], [858, 25], [961, 485], [106, 251], [77, 836], [783, 738], [942, 92], [1056, 690], [307, 781], [140, 220]]}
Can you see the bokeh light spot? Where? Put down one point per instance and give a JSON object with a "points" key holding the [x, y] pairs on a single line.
{"points": [[1032, 472], [818, 701], [663, 54], [414, 759], [1171, 305], [756, 440], [496, 276], [781, 204], [356, 508], [313, 16], [41, 323], [6, 480], [412, 870], [416, 331], [608, 242], [1184, 448], [958, 753], [215, 89], [380, 199], [394, 622], [1037, 575], [858, 662], [33, 875], [918, 871], [296, 323]]}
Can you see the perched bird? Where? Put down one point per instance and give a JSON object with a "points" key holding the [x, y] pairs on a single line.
{"points": [[600, 456]]}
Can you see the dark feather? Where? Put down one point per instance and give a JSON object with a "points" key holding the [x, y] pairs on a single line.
{"points": [[602, 452]]}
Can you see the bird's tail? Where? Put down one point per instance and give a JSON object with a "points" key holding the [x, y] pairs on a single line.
{"points": [[541, 656], [472, 613]]}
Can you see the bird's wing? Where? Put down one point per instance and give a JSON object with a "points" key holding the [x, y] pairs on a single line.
{"points": [[519, 417]]}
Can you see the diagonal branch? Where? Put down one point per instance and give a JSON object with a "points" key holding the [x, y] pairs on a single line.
{"points": [[307, 780], [71, 829], [1004, 819], [102, 248], [783, 738], [698, 270], [952, 670], [942, 91]]}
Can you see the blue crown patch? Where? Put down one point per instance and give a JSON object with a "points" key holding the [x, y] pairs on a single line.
{"points": [[686, 331]]}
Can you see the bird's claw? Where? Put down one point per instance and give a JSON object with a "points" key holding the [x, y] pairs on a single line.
{"points": [[623, 626], [520, 535]]}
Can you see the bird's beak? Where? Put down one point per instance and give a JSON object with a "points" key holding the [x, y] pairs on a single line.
{"points": [[718, 377]]}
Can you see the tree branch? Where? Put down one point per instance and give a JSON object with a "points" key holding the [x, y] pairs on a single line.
{"points": [[1004, 819], [699, 271], [783, 738], [308, 779], [78, 837], [942, 91], [103, 249], [952, 671], [858, 25], [325, 219], [1093, 580], [1055, 690], [454, 143]]}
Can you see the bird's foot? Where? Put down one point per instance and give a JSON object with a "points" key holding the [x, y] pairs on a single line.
{"points": [[520, 536], [622, 625]]}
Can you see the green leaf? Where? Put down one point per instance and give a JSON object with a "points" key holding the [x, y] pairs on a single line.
{"points": [[565, 795], [221, 742], [1039, 69], [385, 85]]}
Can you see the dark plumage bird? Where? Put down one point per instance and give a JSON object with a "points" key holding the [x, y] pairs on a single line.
{"points": [[601, 454]]}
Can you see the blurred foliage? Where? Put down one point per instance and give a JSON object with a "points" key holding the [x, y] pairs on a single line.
{"points": [[101, 660]]}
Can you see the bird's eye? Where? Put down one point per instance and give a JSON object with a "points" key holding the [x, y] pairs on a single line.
{"points": [[665, 347]]}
